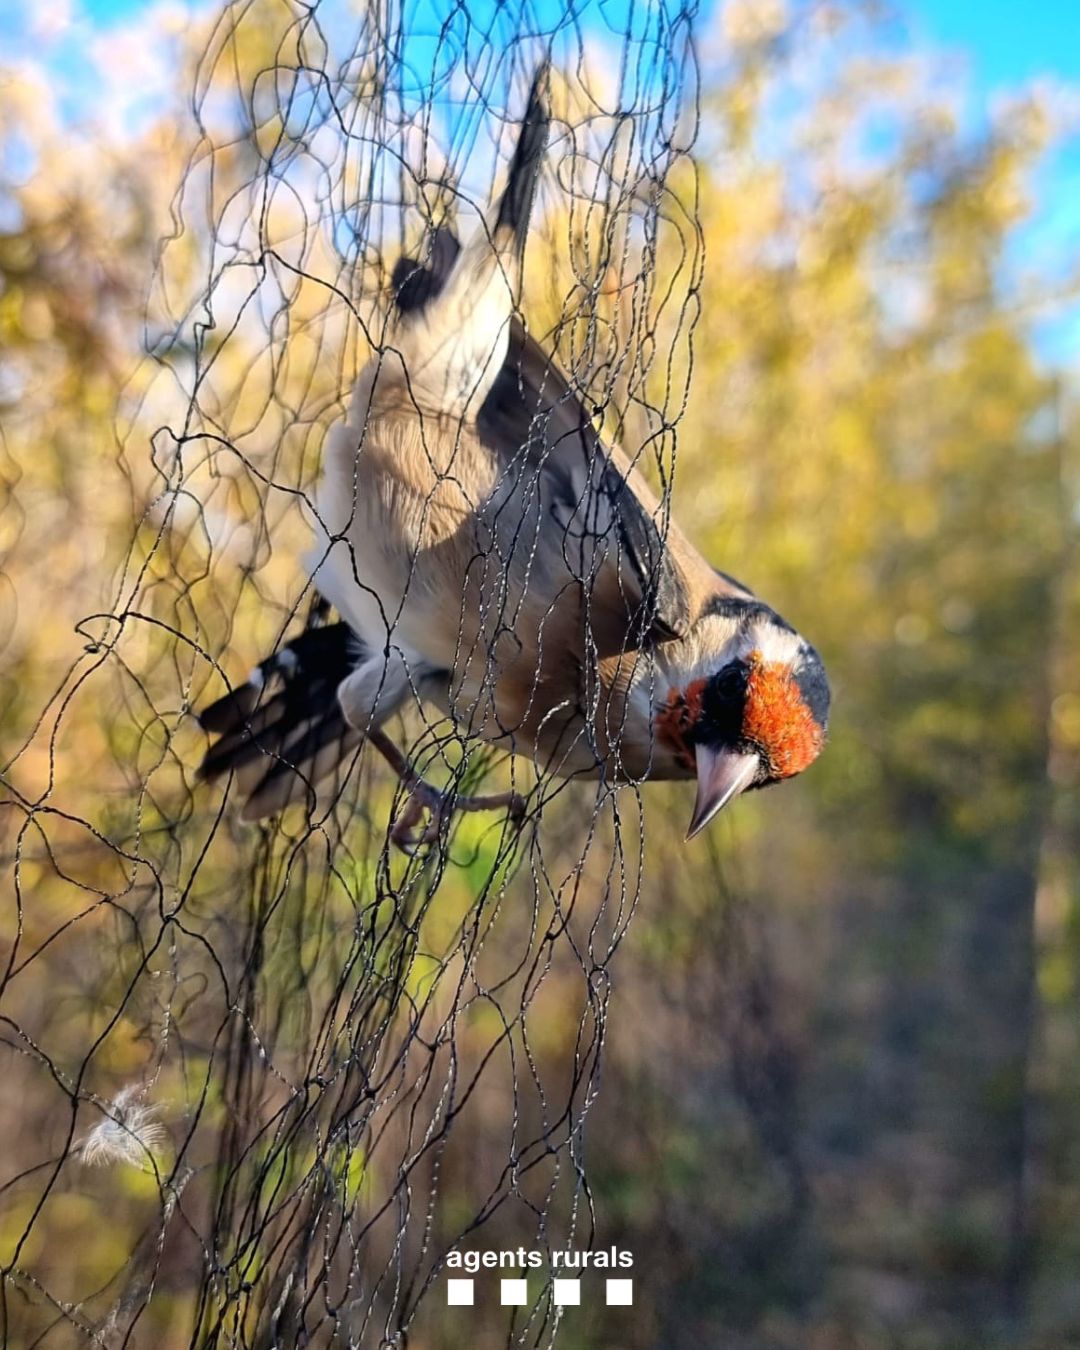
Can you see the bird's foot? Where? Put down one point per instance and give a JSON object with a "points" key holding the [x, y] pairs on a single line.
{"points": [[409, 831]]}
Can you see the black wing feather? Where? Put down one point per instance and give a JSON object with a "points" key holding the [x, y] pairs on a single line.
{"points": [[289, 716], [532, 406]]}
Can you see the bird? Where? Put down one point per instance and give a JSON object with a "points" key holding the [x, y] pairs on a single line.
{"points": [[489, 554]]}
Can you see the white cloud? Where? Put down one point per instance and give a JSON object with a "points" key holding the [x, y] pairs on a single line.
{"points": [[50, 19]]}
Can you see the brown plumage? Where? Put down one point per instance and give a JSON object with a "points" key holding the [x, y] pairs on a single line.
{"points": [[489, 554]]}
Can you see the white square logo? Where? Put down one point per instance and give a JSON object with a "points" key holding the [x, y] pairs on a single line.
{"points": [[620, 1293], [567, 1293], [459, 1293], [515, 1293]]}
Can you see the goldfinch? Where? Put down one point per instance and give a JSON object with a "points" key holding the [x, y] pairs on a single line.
{"points": [[490, 555]]}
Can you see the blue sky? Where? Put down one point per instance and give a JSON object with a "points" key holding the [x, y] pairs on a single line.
{"points": [[997, 46], [1007, 43], [1004, 46]]}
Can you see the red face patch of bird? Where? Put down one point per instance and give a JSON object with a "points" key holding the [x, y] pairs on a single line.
{"points": [[678, 718], [777, 721]]}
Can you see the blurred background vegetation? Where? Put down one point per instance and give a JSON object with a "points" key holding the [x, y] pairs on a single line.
{"points": [[839, 1105]]}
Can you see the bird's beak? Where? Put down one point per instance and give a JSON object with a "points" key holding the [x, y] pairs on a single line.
{"points": [[721, 776]]}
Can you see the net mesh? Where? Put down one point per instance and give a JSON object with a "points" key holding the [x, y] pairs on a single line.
{"points": [[300, 1068]]}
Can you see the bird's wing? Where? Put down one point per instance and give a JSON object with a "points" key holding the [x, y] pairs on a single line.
{"points": [[483, 498], [536, 423]]}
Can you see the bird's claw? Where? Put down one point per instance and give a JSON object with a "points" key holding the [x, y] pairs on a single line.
{"points": [[440, 807], [405, 834]]}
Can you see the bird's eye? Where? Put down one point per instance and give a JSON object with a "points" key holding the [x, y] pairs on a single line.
{"points": [[730, 683], [723, 704]]}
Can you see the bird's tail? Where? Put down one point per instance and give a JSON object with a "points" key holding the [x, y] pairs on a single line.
{"points": [[283, 732], [463, 299], [515, 206]]}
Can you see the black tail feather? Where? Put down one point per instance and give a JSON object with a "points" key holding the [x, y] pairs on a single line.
{"points": [[516, 205], [414, 284], [286, 718]]}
